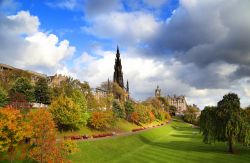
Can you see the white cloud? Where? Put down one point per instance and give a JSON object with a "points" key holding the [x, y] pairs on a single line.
{"points": [[65, 4], [128, 28], [24, 23], [31, 48]]}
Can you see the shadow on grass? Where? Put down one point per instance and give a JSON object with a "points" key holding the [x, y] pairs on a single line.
{"points": [[185, 146], [194, 135]]}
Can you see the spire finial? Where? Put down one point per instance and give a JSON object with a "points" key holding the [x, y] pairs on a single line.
{"points": [[117, 52]]}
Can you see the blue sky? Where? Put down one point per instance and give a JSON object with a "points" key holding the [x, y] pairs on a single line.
{"points": [[195, 48]]}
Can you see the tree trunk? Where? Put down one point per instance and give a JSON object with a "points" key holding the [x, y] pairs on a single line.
{"points": [[230, 145]]}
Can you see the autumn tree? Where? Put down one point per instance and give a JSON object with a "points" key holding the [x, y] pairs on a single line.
{"points": [[13, 131], [3, 97], [41, 91], [102, 120], [23, 86], [233, 122], [66, 113], [44, 147]]}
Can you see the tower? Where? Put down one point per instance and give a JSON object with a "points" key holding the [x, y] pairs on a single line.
{"points": [[118, 74], [127, 89], [157, 92]]}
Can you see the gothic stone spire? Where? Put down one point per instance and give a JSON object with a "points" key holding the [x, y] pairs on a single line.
{"points": [[118, 74]]}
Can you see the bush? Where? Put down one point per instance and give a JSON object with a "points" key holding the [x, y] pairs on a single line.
{"points": [[159, 114], [79, 99], [69, 147], [102, 120], [129, 109], [134, 117], [23, 86], [118, 110], [142, 114], [66, 113], [3, 97], [167, 116], [191, 115]]}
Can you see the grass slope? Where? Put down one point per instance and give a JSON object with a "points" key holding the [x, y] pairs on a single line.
{"points": [[177, 143]]}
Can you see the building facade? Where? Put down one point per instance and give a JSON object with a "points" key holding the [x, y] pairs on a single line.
{"points": [[177, 101]]}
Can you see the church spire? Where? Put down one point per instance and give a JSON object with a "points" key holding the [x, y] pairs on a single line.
{"points": [[118, 74], [117, 52]]}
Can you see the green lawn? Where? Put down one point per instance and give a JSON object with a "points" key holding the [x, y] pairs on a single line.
{"points": [[177, 142], [121, 126]]}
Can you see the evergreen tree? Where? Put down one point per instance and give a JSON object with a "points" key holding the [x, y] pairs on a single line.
{"points": [[118, 110], [42, 93], [23, 86], [129, 109]]}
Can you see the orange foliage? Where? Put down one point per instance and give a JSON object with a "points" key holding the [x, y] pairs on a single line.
{"points": [[13, 130], [43, 143], [102, 120], [135, 117], [151, 116]]}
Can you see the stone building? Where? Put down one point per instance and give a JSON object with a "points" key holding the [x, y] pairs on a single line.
{"points": [[177, 101], [34, 76], [56, 80], [53, 81]]}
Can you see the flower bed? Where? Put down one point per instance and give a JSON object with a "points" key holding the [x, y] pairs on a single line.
{"points": [[102, 135]]}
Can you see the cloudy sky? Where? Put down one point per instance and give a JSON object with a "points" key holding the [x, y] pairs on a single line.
{"points": [[196, 48]]}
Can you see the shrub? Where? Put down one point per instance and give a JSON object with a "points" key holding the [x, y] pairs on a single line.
{"points": [[69, 147], [102, 120], [66, 113], [135, 118], [142, 114], [23, 86], [3, 97], [167, 116], [118, 109], [129, 109], [79, 99]]}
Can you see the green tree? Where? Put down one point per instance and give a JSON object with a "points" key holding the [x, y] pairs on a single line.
{"points": [[66, 113], [191, 115], [129, 108], [42, 93], [172, 110], [3, 97], [208, 124], [118, 109], [24, 87], [79, 99], [233, 122]]}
